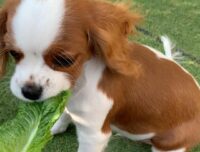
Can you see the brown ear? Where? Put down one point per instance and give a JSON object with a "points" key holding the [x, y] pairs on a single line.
{"points": [[108, 36], [3, 30]]}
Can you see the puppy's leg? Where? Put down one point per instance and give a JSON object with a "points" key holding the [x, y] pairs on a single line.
{"points": [[61, 124], [91, 140], [178, 150]]}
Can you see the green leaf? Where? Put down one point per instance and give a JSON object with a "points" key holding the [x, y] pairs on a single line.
{"points": [[29, 131]]}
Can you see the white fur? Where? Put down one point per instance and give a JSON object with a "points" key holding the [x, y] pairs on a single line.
{"points": [[138, 137], [91, 106], [178, 150], [88, 109], [62, 123], [167, 44], [35, 26], [168, 47], [37, 23]]}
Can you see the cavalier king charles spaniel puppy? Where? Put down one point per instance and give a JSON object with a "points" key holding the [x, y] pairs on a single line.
{"points": [[117, 85]]}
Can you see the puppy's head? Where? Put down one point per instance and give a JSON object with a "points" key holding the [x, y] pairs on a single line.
{"points": [[51, 40]]}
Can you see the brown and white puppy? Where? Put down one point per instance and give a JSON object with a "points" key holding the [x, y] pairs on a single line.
{"points": [[117, 85]]}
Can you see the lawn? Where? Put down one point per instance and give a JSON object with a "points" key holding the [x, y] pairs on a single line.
{"points": [[179, 19]]}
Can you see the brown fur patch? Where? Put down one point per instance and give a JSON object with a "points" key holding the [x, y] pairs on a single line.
{"points": [[108, 35], [164, 100], [6, 14]]}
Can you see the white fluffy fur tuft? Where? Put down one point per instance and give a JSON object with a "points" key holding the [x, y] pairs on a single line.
{"points": [[168, 46]]}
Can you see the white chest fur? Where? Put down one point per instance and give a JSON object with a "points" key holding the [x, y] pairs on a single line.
{"points": [[89, 106]]}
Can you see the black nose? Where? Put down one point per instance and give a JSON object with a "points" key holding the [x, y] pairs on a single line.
{"points": [[32, 91]]}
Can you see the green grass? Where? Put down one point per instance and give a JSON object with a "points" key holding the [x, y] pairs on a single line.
{"points": [[179, 19]]}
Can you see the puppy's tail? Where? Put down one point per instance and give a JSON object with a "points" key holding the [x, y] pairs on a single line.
{"points": [[168, 47]]}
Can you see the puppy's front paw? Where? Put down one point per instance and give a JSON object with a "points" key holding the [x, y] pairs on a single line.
{"points": [[59, 127]]}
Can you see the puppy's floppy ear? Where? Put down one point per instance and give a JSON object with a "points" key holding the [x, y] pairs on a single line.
{"points": [[108, 36], [3, 30]]}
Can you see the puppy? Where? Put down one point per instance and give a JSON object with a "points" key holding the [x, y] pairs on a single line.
{"points": [[117, 84]]}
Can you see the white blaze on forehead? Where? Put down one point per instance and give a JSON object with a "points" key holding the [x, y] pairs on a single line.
{"points": [[37, 23]]}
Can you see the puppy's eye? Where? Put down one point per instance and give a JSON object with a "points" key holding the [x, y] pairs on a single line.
{"points": [[16, 55], [62, 61]]}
